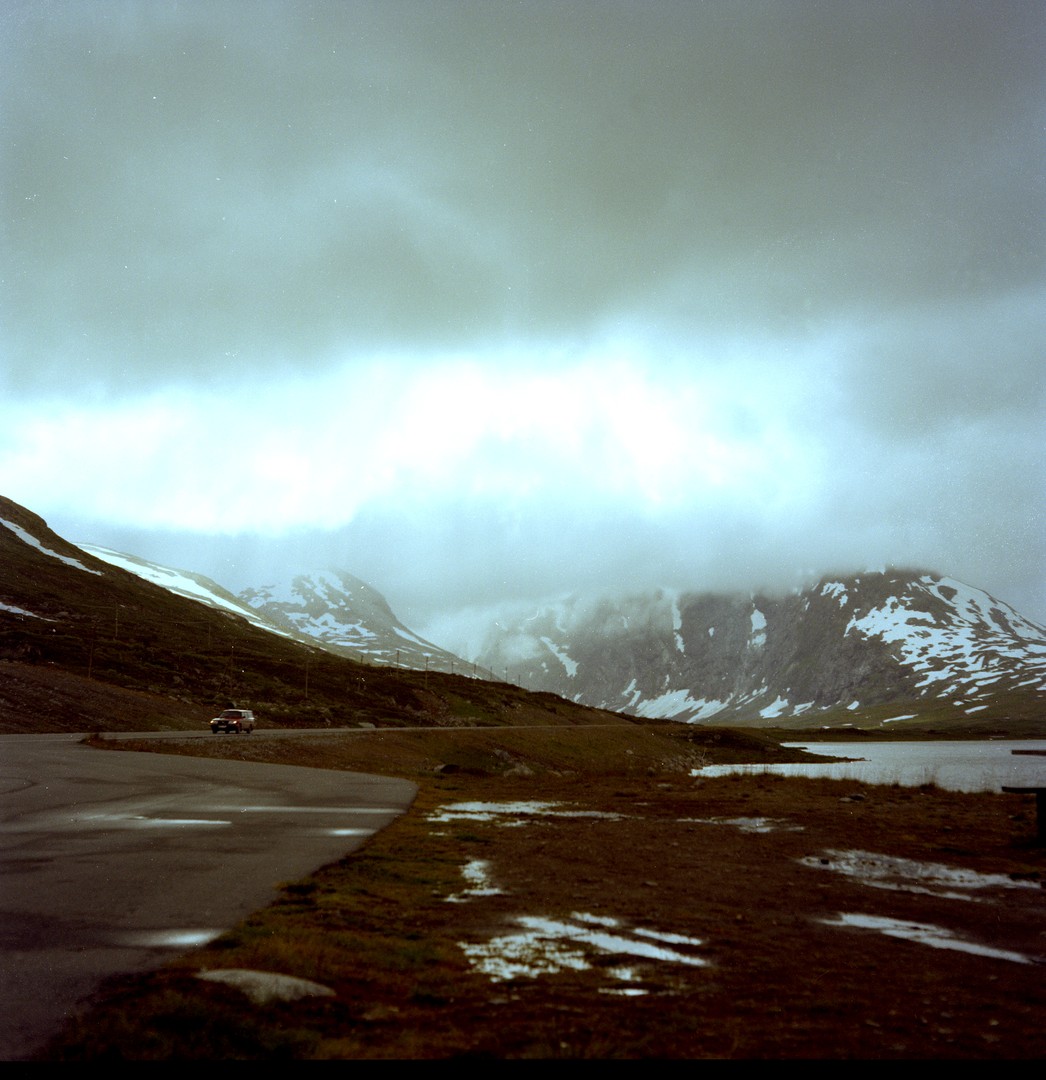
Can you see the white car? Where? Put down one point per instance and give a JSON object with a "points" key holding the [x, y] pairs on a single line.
{"points": [[240, 721]]}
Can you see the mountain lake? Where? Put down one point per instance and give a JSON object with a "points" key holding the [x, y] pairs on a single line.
{"points": [[954, 765]]}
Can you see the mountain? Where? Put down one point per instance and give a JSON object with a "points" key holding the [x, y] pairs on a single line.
{"points": [[91, 637], [85, 644], [895, 642], [348, 616], [186, 583], [329, 608]]}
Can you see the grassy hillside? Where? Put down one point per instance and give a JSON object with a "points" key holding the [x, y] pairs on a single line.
{"points": [[86, 644]]}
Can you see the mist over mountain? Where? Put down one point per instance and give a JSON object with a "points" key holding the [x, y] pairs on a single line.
{"points": [[881, 646], [491, 303], [874, 639], [103, 641], [888, 641], [348, 616], [331, 608]]}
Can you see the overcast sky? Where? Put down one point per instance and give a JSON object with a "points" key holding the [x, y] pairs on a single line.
{"points": [[497, 300]]}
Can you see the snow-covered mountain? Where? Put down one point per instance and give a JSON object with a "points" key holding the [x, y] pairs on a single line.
{"points": [[348, 616], [184, 583], [872, 639], [875, 640], [332, 609]]}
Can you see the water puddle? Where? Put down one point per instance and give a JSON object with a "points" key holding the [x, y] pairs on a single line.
{"points": [[748, 824], [550, 946], [167, 939], [387, 811], [934, 936], [477, 875], [141, 821], [125, 820], [908, 875], [511, 813]]}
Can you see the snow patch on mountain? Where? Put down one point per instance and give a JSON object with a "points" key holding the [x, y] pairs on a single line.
{"points": [[836, 589], [348, 616], [569, 665], [959, 631], [27, 537], [12, 610], [678, 703], [677, 623], [846, 643], [758, 635], [183, 583]]}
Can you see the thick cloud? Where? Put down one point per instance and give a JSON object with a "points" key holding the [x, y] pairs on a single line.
{"points": [[483, 301]]}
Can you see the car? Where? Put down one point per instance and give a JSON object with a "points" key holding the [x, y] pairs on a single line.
{"points": [[240, 721]]}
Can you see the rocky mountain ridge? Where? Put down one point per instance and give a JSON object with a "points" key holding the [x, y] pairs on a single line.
{"points": [[900, 642], [330, 608], [871, 639], [348, 616], [905, 638]]}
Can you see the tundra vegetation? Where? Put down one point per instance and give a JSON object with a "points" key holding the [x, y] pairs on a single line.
{"points": [[582, 893]]}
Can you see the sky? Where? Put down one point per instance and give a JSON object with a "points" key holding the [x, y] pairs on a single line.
{"points": [[490, 302]]}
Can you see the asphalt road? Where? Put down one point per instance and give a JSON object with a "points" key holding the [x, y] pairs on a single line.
{"points": [[113, 862]]}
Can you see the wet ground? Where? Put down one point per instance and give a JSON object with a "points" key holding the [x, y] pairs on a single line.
{"points": [[811, 919], [115, 862], [737, 917]]}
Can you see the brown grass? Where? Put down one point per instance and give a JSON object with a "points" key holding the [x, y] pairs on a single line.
{"points": [[779, 982]]}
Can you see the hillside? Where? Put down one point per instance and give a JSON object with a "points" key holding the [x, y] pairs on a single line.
{"points": [[85, 644], [894, 650]]}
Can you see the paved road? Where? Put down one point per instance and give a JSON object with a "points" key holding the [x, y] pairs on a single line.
{"points": [[112, 862]]}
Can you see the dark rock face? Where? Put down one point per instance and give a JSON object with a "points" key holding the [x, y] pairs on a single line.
{"points": [[870, 639], [348, 616]]}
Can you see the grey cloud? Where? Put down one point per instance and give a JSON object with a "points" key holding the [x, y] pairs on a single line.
{"points": [[841, 201], [914, 374], [187, 186]]}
